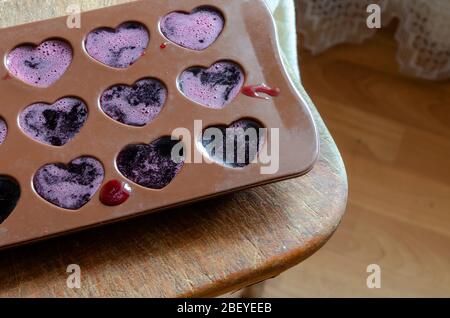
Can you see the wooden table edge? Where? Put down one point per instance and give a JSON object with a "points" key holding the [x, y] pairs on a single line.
{"points": [[279, 264]]}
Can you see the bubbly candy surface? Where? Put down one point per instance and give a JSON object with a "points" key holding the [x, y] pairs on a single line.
{"points": [[54, 124], [69, 186], [120, 47], [214, 87], [195, 31], [40, 66]]}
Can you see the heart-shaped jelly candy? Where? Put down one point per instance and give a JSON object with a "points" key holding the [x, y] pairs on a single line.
{"points": [[120, 47], [195, 31], [152, 166], [134, 105], [9, 195], [40, 66], [214, 87], [69, 186], [54, 124], [234, 146], [3, 130]]}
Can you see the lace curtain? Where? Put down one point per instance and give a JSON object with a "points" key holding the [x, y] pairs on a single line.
{"points": [[423, 34]]}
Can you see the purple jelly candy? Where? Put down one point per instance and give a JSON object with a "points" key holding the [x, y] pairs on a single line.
{"points": [[40, 66], [151, 166], [214, 87], [195, 31], [134, 105], [120, 47], [69, 186], [54, 124]]}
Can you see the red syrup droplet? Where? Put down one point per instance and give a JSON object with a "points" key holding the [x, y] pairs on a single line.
{"points": [[253, 90], [163, 46], [7, 76], [115, 193]]}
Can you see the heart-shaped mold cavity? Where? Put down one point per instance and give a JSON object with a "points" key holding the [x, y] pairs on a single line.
{"points": [[214, 87], [151, 166], [3, 130], [9, 196], [195, 31], [41, 65], [135, 105], [54, 124], [234, 146], [120, 47], [69, 186]]}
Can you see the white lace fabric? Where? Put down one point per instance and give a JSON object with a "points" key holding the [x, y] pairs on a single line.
{"points": [[423, 34]]}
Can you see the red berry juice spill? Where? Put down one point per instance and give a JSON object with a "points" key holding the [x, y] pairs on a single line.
{"points": [[253, 90], [115, 193]]}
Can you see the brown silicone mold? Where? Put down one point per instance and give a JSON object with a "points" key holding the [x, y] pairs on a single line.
{"points": [[248, 39]]}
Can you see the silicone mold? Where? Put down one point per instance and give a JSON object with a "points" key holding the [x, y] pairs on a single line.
{"points": [[248, 39]]}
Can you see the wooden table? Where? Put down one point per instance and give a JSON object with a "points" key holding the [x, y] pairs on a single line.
{"points": [[206, 249]]}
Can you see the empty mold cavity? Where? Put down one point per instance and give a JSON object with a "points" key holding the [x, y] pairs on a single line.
{"points": [[69, 186], [134, 105], [9, 196], [214, 87], [3, 130], [120, 47], [236, 145], [40, 65], [54, 124], [152, 165], [196, 30]]}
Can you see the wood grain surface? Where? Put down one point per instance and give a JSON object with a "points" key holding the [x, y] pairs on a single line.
{"points": [[205, 249], [394, 134]]}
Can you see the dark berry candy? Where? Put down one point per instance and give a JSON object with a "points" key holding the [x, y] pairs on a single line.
{"points": [[69, 186], [234, 146], [135, 105], [54, 124], [9, 196], [151, 166], [40, 66]]}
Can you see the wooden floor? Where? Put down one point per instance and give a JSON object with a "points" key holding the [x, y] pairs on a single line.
{"points": [[394, 135]]}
